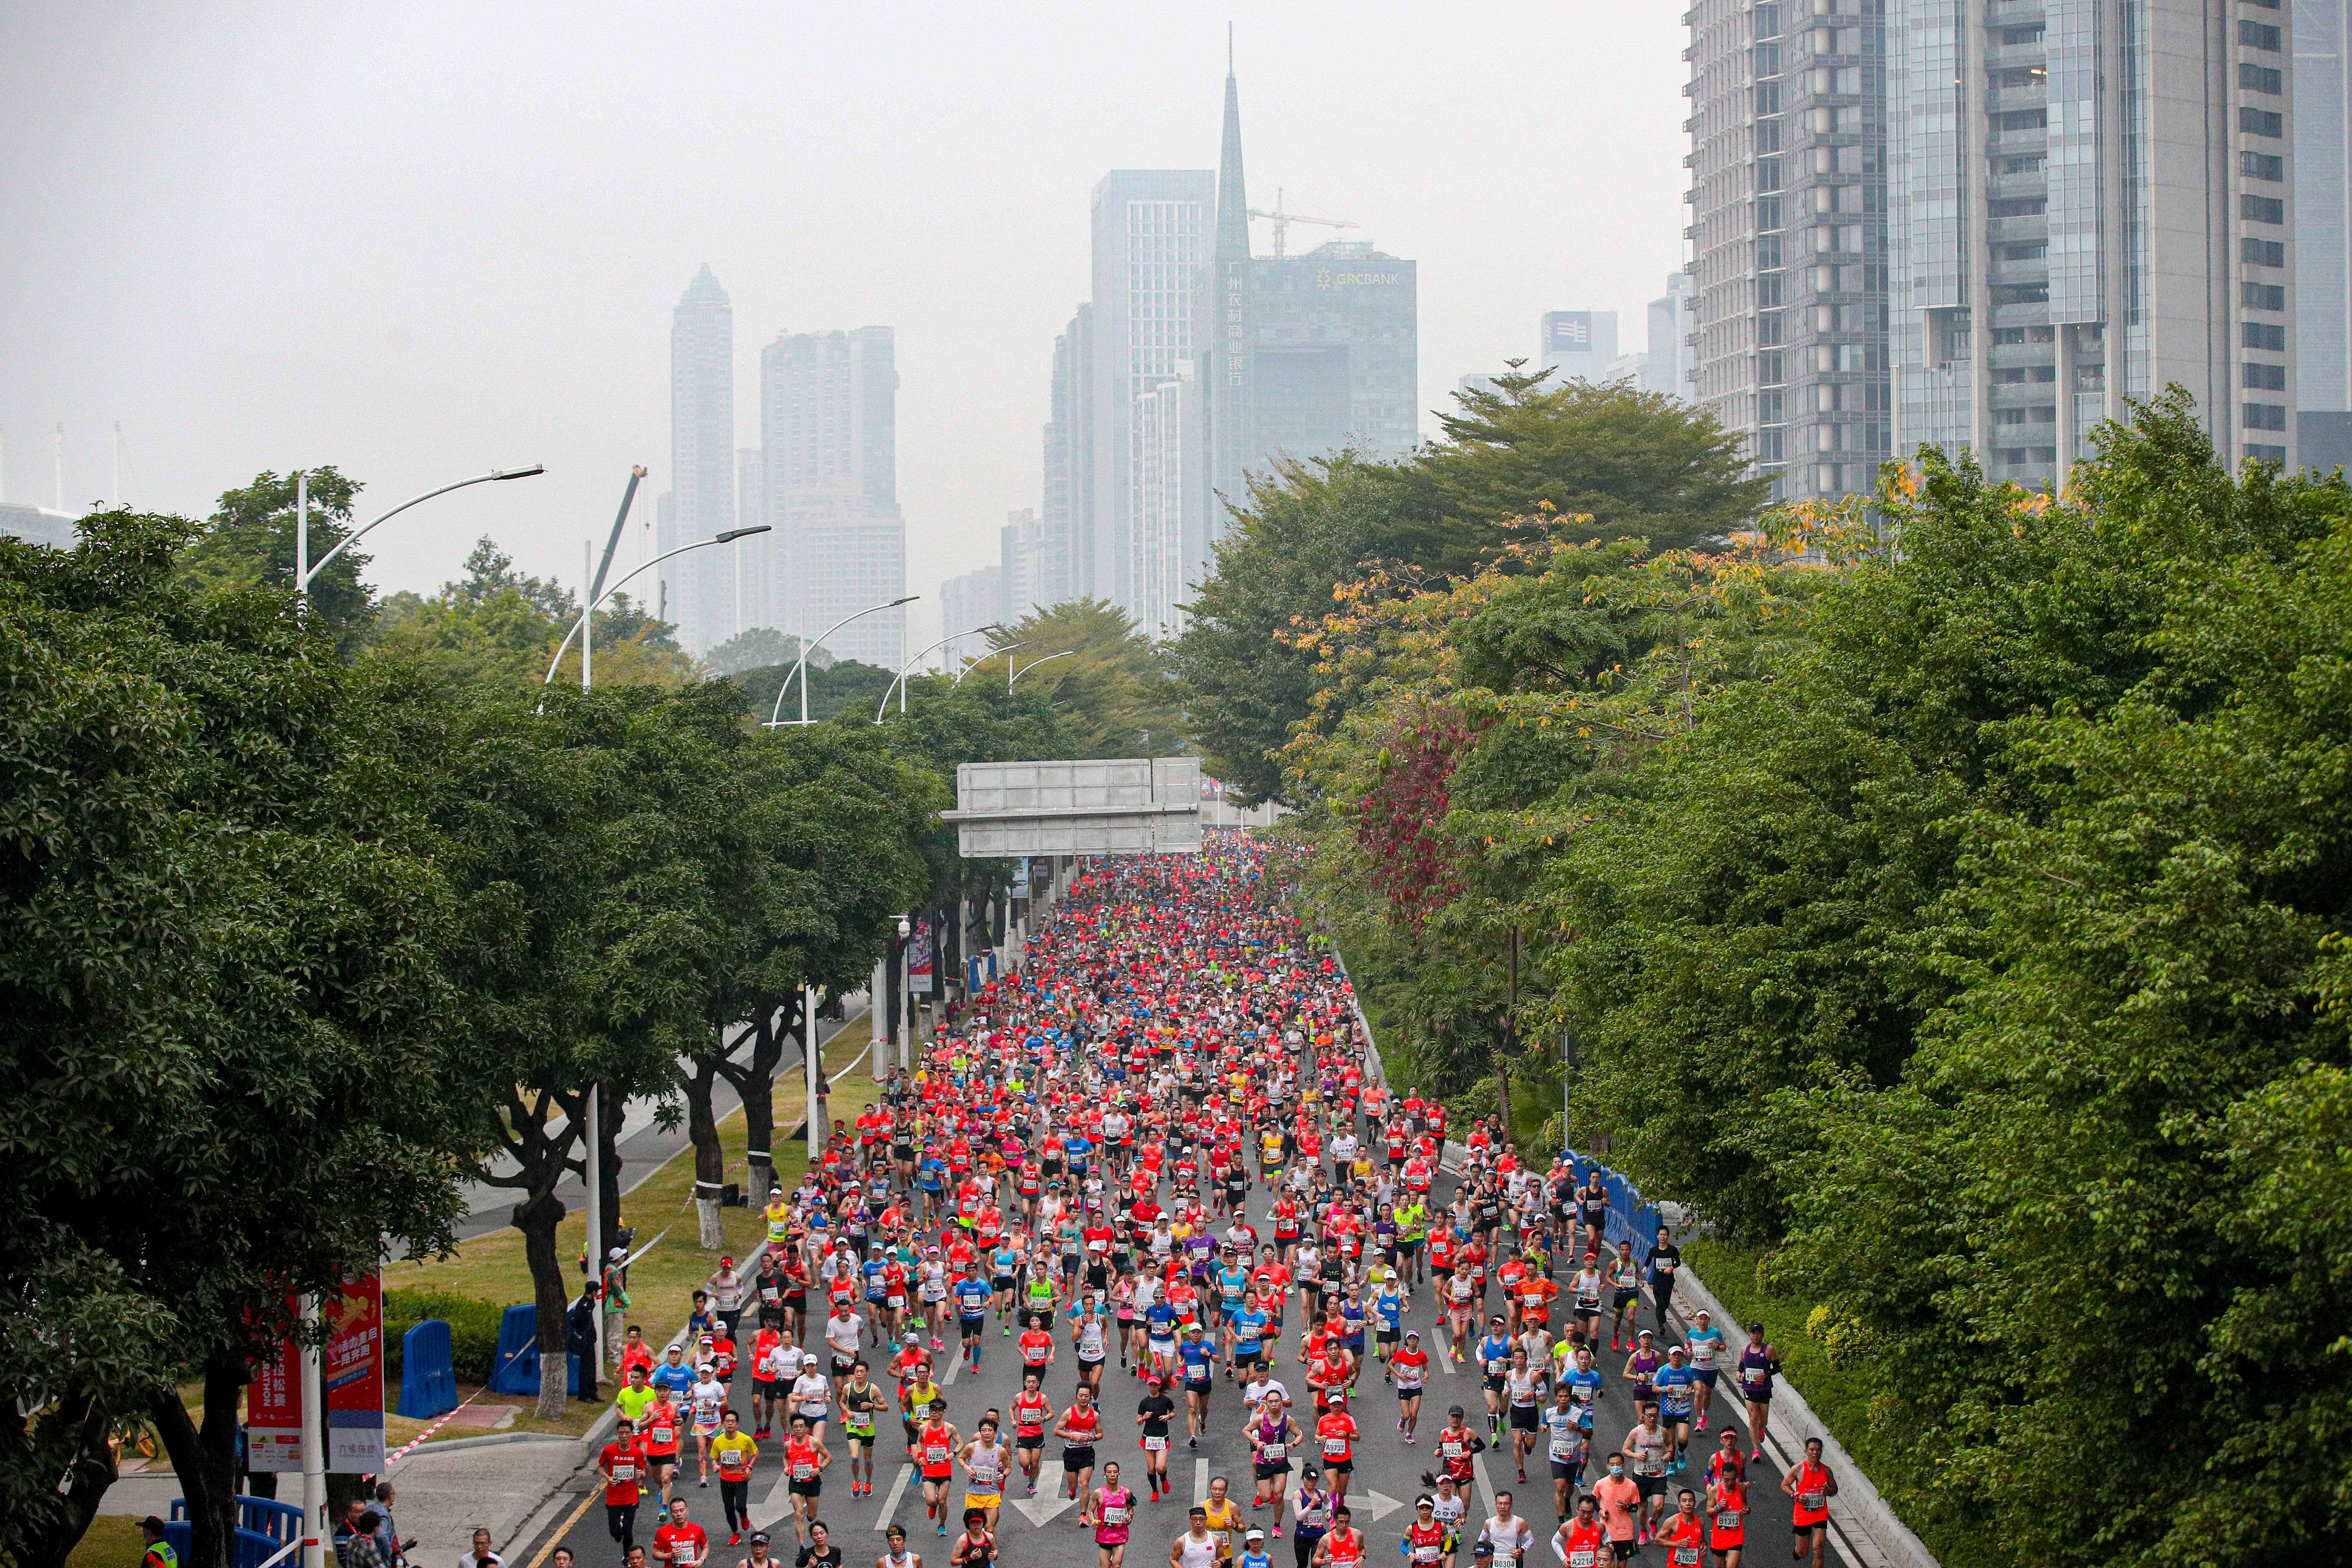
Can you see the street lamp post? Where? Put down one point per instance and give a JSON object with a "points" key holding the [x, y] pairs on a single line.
{"points": [[899, 685], [591, 1118], [304, 572], [799, 665], [590, 609], [1010, 675]]}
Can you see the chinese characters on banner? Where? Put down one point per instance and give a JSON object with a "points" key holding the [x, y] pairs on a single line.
{"points": [[353, 1370], [918, 958]]}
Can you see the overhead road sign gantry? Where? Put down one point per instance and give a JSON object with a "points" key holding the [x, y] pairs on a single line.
{"points": [[1131, 805]]}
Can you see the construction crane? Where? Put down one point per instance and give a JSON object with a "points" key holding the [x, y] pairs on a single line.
{"points": [[1283, 218]]}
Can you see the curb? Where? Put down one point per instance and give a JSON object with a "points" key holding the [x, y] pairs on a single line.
{"points": [[453, 1443], [1867, 1530]]}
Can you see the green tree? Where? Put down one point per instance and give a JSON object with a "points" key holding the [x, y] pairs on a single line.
{"points": [[1520, 464], [1107, 680], [833, 819], [250, 540], [225, 1006], [498, 625]]}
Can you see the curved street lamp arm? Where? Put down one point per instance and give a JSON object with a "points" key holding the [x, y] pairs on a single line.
{"points": [[1012, 675], [581, 619], [354, 537], [984, 658], [910, 664], [775, 720]]}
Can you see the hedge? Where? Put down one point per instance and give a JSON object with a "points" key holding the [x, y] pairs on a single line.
{"points": [[473, 1330]]}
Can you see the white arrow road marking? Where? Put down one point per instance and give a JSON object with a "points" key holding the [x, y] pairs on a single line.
{"points": [[890, 1503], [1041, 1511], [1380, 1505], [776, 1504]]}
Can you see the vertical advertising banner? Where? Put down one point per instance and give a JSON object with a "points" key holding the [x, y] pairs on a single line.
{"points": [[918, 958], [273, 1413], [1021, 879], [353, 1372]]}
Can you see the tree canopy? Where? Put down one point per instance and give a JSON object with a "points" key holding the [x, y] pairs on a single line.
{"points": [[1940, 895], [1521, 466]]}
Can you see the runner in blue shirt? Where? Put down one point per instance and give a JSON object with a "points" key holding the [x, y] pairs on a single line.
{"points": [[1245, 1337], [1674, 1383], [972, 1296], [1199, 1358], [1585, 1387]]}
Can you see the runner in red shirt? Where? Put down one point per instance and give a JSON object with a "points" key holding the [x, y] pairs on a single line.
{"points": [[622, 1463], [681, 1542], [1335, 1434], [1031, 1411]]}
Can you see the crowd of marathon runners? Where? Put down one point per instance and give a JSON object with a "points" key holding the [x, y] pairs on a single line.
{"points": [[1138, 1161]]}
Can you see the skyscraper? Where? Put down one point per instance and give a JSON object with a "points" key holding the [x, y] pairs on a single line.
{"points": [[970, 602], [1057, 563], [753, 561], [1020, 561], [1577, 345], [702, 461], [2322, 235], [1789, 234], [1151, 236], [828, 427], [1668, 361], [1297, 356], [2092, 207]]}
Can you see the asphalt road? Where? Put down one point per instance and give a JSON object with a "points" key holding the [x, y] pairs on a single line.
{"points": [[1045, 1529]]}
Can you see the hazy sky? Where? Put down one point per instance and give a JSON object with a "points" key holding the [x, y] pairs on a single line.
{"points": [[422, 240]]}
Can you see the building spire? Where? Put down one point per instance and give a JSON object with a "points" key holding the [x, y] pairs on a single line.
{"points": [[1232, 202]]}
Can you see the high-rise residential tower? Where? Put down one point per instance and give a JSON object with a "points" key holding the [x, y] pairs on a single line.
{"points": [[828, 429], [1151, 236], [1789, 234], [2323, 234], [702, 462], [1297, 356], [2092, 200], [1061, 555]]}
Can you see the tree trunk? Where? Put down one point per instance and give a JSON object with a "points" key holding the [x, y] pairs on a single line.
{"points": [[68, 1443], [754, 1084], [205, 1460], [608, 1139], [537, 1219], [709, 1159]]}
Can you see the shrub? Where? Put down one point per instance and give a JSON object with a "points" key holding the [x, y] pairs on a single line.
{"points": [[473, 1330]]}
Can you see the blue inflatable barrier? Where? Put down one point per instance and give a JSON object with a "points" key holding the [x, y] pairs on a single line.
{"points": [[516, 1371], [428, 1371]]}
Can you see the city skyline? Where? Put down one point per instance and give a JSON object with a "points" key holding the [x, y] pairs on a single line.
{"points": [[828, 209]]}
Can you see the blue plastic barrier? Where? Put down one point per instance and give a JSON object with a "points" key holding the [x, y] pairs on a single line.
{"points": [[428, 1371], [1629, 1219], [516, 1367], [263, 1528]]}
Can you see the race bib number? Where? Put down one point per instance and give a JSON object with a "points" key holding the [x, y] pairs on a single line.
{"points": [[1335, 1448], [1728, 1520], [1115, 1515], [1582, 1557], [1154, 1444]]}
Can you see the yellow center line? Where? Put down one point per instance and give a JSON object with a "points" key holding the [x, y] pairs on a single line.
{"points": [[564, 1529]]}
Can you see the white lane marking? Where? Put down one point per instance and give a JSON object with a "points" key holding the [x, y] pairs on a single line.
{"points": [[1199, 1480], [890, 1503], [1486, 1486]]}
